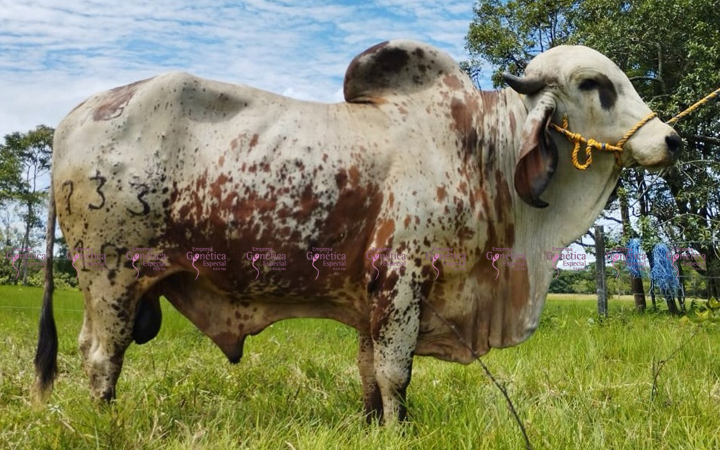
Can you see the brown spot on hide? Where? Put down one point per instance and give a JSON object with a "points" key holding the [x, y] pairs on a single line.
{"points": [[385, 230], [441, 194], [452, 81], [115, 101], [254, 140]]}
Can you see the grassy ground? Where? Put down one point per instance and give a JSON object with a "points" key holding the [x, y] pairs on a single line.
{"points": [[578, 383]]}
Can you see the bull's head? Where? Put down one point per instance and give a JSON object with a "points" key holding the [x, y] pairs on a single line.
{"points": [[601, 104]]}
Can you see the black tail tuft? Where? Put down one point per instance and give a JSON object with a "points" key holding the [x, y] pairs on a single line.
{"points": [[46, 355]]}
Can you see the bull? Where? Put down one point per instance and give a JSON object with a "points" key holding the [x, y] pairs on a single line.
{"points": [[416, 162]]}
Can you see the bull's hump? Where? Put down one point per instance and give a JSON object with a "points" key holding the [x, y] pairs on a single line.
{"points": [[399, 67]]}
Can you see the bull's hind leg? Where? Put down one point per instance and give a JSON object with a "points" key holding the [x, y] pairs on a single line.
{"points": [[106, 332], [395, 324]]}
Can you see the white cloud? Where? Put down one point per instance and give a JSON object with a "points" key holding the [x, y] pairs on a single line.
{"points": [[54, 53]]}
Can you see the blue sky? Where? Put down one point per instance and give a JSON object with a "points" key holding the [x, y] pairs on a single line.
{"points": [[55, 53]]}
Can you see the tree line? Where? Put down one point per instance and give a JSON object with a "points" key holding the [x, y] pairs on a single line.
{"points": [[670, 51]]}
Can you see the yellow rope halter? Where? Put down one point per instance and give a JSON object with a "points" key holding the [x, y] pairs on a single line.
{"points": [[577, 139], [592, 144]]}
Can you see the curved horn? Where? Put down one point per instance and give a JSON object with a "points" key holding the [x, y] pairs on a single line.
{"points": [[523, 85]]}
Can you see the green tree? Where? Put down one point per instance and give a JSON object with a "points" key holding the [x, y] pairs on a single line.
{"points": [[670, 50], [26, 158]]}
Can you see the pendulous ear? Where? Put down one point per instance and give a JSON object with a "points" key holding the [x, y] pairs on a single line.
{"points": [[538, 154]]}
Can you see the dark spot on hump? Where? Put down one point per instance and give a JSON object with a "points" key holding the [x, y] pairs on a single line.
{"points": [[254, 140], [356, 61], [427, 242], [391, 60], [418, 262], [420, 53], [407, 221]]}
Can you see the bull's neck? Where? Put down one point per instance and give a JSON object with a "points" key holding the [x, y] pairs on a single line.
{"points": [[576, 197]]}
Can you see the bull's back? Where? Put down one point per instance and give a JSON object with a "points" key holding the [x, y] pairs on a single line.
{"points": [[178, 161]]}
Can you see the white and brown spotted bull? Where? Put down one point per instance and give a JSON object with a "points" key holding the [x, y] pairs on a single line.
{"points": [[416, 159]]}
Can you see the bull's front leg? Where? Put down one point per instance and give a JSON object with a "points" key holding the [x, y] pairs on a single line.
{"points": [[395, 323]]}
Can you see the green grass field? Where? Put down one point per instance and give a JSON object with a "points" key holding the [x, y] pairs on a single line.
{"points": [[578, 383]]}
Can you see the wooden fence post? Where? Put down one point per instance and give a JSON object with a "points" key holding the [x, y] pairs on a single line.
{"points": [[600, 270]]}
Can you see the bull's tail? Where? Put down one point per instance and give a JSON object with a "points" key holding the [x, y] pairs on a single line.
{"points": [[46, 355]]}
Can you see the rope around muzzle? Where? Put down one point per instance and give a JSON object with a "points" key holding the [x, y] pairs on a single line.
{"points": [[591, 144]]}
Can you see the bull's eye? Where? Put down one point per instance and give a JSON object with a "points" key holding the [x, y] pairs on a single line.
{"points": [[588, 84]]}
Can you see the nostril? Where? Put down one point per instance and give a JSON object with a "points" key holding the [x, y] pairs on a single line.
{"points": [[674, 143]]}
